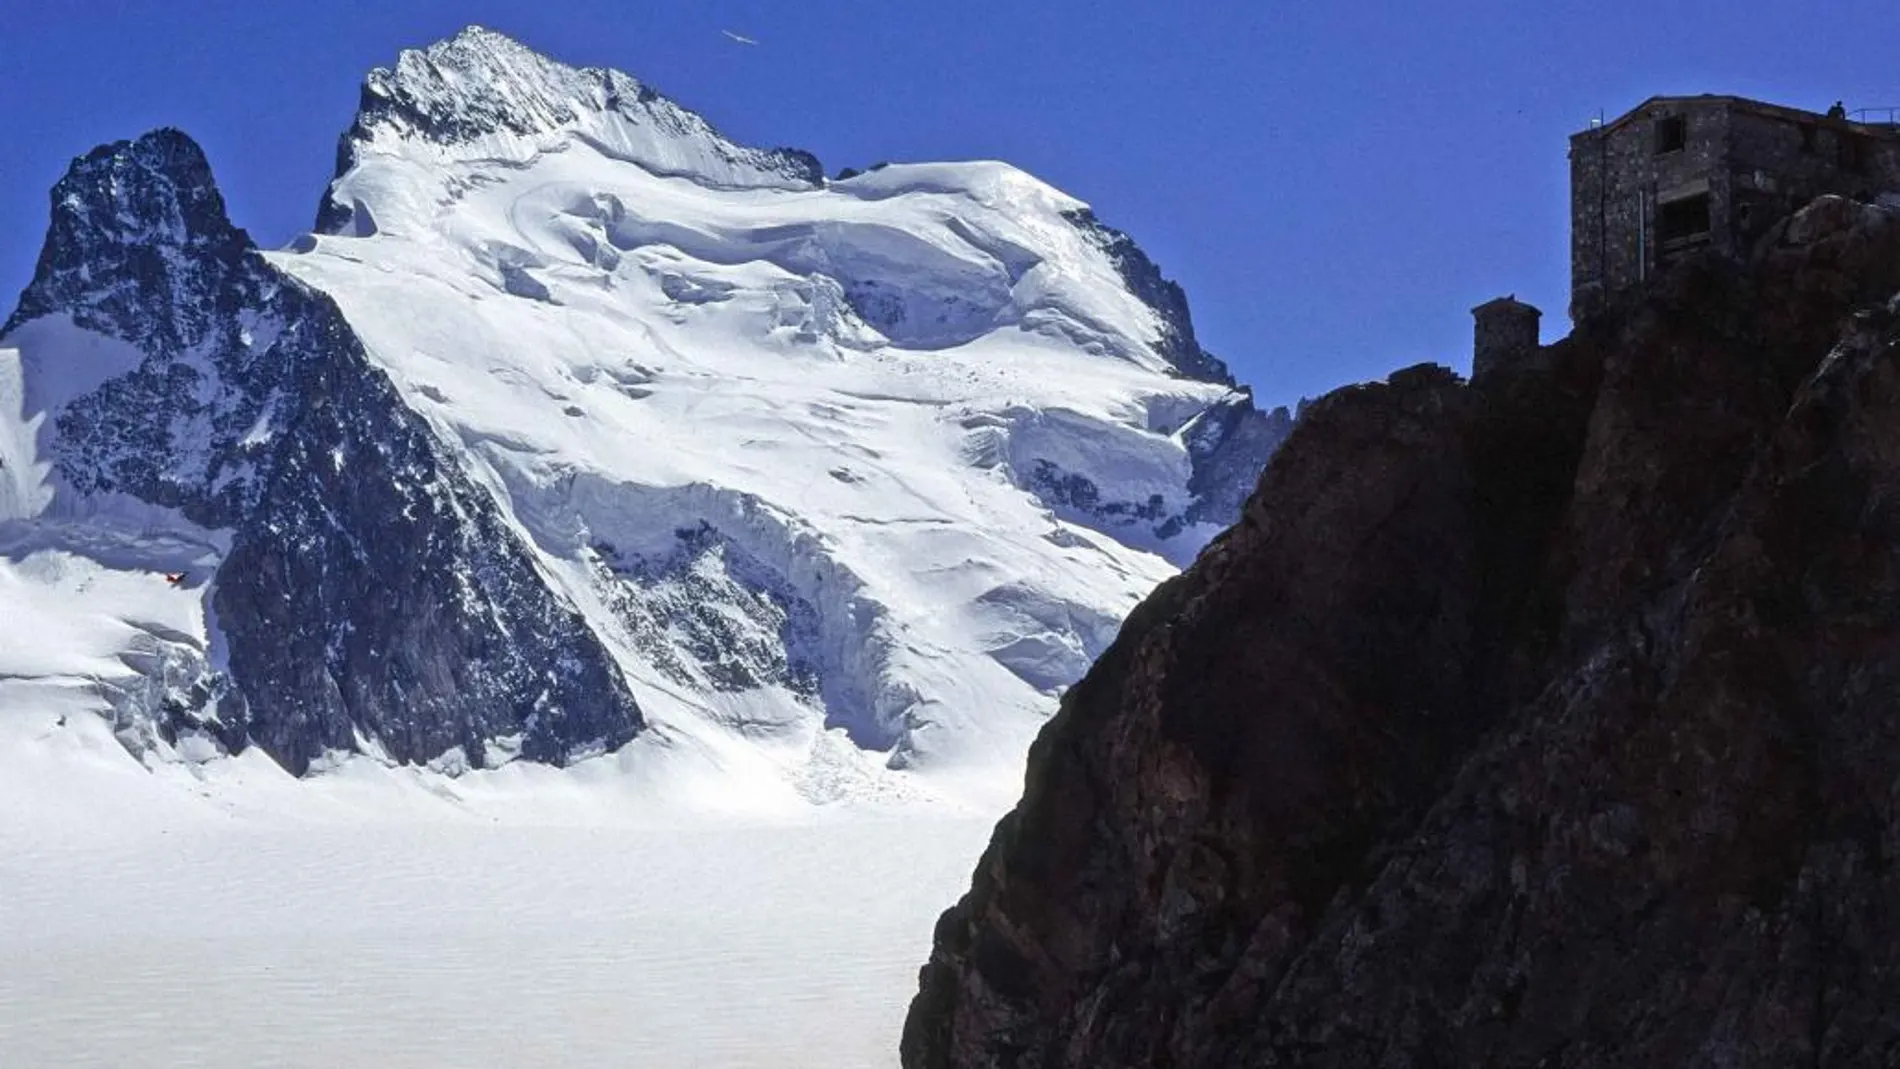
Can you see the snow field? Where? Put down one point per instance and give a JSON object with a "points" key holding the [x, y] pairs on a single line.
{"points": [[361, 918]]}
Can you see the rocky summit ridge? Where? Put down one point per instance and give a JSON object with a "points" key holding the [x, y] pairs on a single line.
{"points": [[482, 94]]}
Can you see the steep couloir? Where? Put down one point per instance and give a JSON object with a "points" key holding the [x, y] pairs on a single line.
{"points": [[1548, 721]]}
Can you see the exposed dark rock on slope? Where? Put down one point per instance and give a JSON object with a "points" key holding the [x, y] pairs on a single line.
{"points": [[1145, 280], [371, 590], [1548, 724], [1229, 443]]}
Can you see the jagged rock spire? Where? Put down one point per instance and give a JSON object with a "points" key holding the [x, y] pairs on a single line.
{"points": [[345, 599], [131, 221]]}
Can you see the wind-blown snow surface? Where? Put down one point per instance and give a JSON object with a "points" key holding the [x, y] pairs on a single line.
{"points": [[225, 915]]}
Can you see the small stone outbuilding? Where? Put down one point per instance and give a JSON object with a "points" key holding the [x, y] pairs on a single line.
{"points": [[1505, 335]]}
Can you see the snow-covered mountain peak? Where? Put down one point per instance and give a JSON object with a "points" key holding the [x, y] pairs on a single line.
{"points": [[885, 456], [482, 95], [576, 419]]}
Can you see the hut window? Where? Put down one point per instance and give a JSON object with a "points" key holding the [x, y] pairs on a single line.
{"points": [[1678, 220], [1672, 133]]}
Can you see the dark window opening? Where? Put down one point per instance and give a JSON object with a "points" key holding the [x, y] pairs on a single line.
{"points": [[1672, 133], [1807, 138], [1853, 152], [1680, 220], [1743, 216]]}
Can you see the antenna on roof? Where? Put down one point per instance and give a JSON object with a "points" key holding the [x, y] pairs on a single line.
{"points": [[1596, 121]]}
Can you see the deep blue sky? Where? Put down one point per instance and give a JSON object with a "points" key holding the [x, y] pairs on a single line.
{"points": [[1334, 184]]}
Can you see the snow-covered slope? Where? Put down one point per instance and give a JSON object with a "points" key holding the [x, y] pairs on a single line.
{"points": [[851, 474]]}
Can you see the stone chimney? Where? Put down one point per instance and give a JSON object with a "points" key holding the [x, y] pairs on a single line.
{"points": [[1506, 334]]}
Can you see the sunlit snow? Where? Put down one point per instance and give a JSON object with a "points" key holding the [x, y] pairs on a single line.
{"points": [[229, 917]]}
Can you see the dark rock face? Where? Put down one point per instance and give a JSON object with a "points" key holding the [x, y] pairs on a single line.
{"points": [[1552, 724], [1230, 445], [1231, 442], [1144, 279], [371, 590], [711, 615]]}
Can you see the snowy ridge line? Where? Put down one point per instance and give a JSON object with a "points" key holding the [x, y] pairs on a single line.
{"points": [[483, 97]]}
